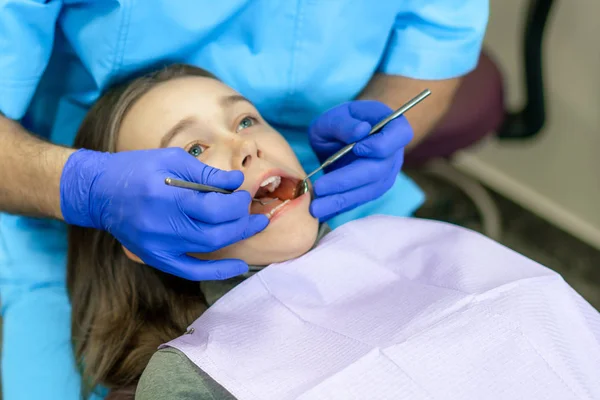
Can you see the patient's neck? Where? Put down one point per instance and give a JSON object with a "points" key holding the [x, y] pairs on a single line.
{"points": [[324, 229], [214, 290]]}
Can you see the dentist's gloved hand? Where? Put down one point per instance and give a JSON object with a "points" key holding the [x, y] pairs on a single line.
{"points": [[370, 169], [125, 194]]}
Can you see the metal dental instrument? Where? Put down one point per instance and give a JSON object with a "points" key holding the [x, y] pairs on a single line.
{"points": [[302, 187], [205, 188]]}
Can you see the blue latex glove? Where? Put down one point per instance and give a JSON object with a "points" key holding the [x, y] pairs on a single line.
{"points": [[370, 169], [125, 194]]}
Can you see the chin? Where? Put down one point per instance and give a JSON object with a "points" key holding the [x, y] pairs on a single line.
{"points": [[277, 246], [288, 236]]}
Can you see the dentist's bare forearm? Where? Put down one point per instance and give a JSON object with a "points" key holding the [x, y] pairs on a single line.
{"points": [[396, 90], [30, 171]]}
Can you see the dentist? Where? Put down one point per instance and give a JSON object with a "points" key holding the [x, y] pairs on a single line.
{"points": [[293, 59]]}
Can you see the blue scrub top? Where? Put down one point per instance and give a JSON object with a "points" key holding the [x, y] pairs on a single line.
{"points": [[293, 59]]}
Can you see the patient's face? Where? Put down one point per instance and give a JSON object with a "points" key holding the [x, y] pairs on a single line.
{"points": [[220, 128]]}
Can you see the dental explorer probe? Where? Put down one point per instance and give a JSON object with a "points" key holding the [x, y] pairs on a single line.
{"points": [[205, 188]]}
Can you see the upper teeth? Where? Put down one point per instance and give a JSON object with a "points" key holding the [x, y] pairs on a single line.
{"points": [[272, 182]]}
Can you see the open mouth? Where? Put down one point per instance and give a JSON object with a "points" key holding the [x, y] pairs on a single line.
{"points": [[275, 192]]}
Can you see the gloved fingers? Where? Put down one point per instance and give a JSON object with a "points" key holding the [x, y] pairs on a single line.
{"points": [[359, 173], [390, 140], [190, 169], [223, 235], [256, 224], [214, 208], [326, 207], [329, 206], [328, 217], [370, 111], [338, 125], [207, 237], [193, 269]]}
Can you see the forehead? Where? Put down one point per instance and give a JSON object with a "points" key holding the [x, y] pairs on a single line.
{"points": [[168, 103]]}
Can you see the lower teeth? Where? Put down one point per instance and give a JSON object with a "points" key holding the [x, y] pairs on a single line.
{"points": [[270, 213]]}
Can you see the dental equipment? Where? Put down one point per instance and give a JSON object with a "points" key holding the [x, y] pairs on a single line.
{"points": [[205, 188], [302, 186]]}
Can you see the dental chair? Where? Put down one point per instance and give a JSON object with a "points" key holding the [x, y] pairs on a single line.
{"points": [[479, 111]]}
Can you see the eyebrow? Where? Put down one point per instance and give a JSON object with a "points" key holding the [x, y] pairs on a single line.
{"points": [[179, 127], [228, 101]]}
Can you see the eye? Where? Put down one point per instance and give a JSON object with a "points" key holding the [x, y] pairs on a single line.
{"points": [[196, 149], [245, 123]]}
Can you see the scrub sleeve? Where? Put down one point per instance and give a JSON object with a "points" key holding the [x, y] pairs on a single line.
{"points": [[37, 361], [441, 39], [435, 40]]}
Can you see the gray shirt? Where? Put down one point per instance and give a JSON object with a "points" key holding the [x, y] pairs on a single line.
{"points": [[171, 375]]}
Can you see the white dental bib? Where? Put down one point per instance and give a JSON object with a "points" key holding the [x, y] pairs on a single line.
{"points": [[392, 308]]}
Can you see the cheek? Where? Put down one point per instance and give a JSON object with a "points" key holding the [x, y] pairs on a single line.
{"points": [[290, 235], [216, 159], [279, 151]]}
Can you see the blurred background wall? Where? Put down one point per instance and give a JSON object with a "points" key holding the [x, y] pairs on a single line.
{"points": [[557, 174]]}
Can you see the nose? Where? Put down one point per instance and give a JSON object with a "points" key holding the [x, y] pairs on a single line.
{"points": [[248, 152]]}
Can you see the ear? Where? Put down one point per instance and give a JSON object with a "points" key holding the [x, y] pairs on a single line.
{"points": [[132, 256]]}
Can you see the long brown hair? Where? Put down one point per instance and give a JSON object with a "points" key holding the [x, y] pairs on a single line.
{"points": [[122, 310]]}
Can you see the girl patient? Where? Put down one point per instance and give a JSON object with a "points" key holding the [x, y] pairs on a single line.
{"points": [[382, 308], [122, 310]]}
